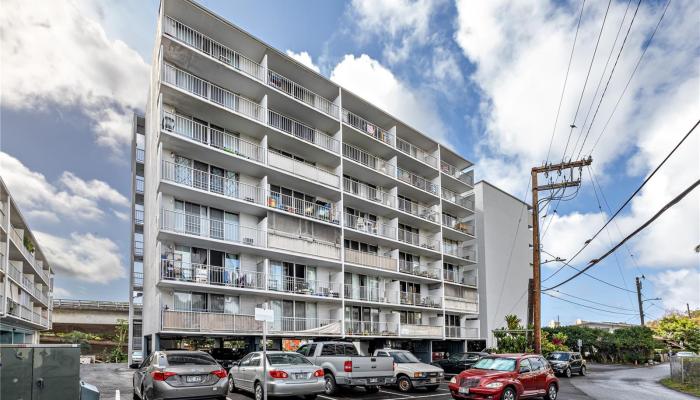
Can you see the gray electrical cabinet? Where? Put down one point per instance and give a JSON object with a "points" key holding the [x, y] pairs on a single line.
{"points": [[39, 372]]}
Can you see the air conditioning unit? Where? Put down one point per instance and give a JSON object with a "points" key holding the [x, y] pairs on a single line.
{"points": [[249, 241]]}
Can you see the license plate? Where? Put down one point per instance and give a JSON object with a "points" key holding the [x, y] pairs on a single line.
{"points": [[433, 380], [193, 379], [373, 380], [464, 390], [300, 375]]}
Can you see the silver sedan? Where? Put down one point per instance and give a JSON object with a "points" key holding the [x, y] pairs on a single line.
{"points": [[288, 374]]}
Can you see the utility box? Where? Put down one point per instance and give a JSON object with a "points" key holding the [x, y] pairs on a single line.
{"points": [[39, 372]]}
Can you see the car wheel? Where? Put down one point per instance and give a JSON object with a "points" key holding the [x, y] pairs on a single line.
{"points": [[144, 394], [582, 372], [310, 397], [404, 384], [330, 386], [551, 392], [231, 385], [568, 372], [432, 388], [372, 389], [258, 391], [509, 394]]}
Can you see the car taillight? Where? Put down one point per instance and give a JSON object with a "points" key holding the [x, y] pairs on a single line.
{"points": [[221, 373], [347, 366], [278, 374], [162, 375], [318, 373]]}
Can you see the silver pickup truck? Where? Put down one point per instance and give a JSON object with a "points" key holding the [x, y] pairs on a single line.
{"points": [[343, 365]]}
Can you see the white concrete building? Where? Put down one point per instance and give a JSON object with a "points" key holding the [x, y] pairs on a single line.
{"points": [[26, 279], [505, 235], [268, 184], [137, 219]]}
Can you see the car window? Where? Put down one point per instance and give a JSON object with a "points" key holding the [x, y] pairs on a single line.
{"points": [[351, 350], [328, 350], [558, 357], [312, 350], [401, 357], [245, 360], [287, 359], [146, 362], [382, 354], [544, 362], [495, 364], [254, 360], [189, 359], [525, 366], [536, 364], [456, 356], [303, 350]]}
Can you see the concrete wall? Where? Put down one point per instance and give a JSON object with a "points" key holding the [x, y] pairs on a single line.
{"points": [[504, 257]]}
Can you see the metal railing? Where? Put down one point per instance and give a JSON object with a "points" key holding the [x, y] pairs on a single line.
{"points": [[368, 226], [172, 270], [308, 326], [369, 293], [417, 181], [417, 299], [138, 217], [19, 242], [418, 269], [462, 175], [416, 152], [91, 304], [367, 127], [370, 260], [371, 328], [416, 330], [302, 131], [138, 279], [290, 284], [189, 224], [138, 248], [461, 225], [213, 48], [417, 209], [199, 321], [462, 278], [464, 201], [321, 212], [368, 192], [302, 169], [140, 184], [197, 179], [459, 251], [461, 332], [140, 155], [301, 93], [303, 244], [418, 240], [369, 160]]}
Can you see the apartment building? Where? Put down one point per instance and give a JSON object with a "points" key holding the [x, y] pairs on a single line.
{"points": [[266, 184], [26, 279]]}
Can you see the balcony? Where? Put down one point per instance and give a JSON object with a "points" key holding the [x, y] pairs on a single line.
{"points": [[417, 299], [370, 260], [419, 210], [138, 248], [305, 326], [412, 330], [368, 226], [461, 305], [417, 269], [188, 224], [25, 283], [246, 107], [303, 244], [368, 293], [368, 160], [180, 271], [302, 169], [206, 135], [138, 217], [25, 313], [249, 67], [286, 203], [461, 175], [367, 328], [140, 184], [18, 239], [367, 192], [463, 201], [462, 252], [217, 184], [417, 181], [416, 152], [418, 240], [460, 278], [461, 332], [199, 321], [140, 155], [290, 284], [368, 128], [137, 279], [461, 225]]}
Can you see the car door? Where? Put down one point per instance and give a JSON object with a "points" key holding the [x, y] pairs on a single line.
{"points": [[539, 373], [453, 366], [236, 371], [139, 373], [526, 377], [576, 363], [252, 369]]}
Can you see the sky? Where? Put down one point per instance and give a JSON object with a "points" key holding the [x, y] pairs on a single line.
{"points": [[485, 78]]}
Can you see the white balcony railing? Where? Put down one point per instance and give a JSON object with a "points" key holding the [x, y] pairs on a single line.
{"points": [[463, 201], [140, 155], [368, 192], [461, 304], [138, 248], [321, 212], [138, 217], [368, 226], [371, 328], [302, 131], [306, 326], [418, 299], [172, 270], [137, 279], [417, 209], [417, 181], [367, 127], [37, 265], [462, 175], [462, 278], [414, 330], [303, 244], [416, 152], [368, 160], [189, 224], [418, 240], [302, 169], [463, 252], [370, 260], [309, 287], [198, 321], [301, 93], [369, 293], [418, 269], [461, 332], [461, 225]]}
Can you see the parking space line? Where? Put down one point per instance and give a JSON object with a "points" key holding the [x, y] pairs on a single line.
{"points": [[398, 394]]}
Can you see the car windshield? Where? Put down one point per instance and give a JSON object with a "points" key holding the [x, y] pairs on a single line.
{"points": [[287, 359], [558, 357], [223, 354], [457, 356], [495, 364], [471, 356], [401, 357], [189, 359]]}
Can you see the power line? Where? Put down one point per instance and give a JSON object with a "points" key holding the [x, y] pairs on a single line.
{"points": [[594, 302], [587, 306], [566, 264], [634, 71], [670, 204], [629, 199]]}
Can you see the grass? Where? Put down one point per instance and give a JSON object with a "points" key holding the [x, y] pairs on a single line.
{"points": [[681, 387]]}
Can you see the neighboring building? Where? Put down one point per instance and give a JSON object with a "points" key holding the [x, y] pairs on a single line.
{"points": [[90, 316], [26, 279], [137, 219], [609, 326], [505, 253]]}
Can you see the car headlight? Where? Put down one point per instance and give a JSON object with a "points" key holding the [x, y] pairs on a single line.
{"points": [[419, 374], [440, 374], [493, 385], [453, 380]]}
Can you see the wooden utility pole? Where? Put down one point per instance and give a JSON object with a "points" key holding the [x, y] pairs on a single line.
{"points": [[687, 305], [536, 293], [639, 300]]}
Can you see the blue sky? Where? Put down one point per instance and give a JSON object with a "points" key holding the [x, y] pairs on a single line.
{"points": [[482, 77]]}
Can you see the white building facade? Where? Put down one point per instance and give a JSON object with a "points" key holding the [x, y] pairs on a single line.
{"points": [[266, 184], [26, 279]]}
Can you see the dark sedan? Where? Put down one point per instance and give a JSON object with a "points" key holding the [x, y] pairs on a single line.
{"points": [[458, 362]]}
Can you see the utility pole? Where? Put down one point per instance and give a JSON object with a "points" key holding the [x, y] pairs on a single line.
{"points": [[687, 305], [536, 263], [639, 300]]}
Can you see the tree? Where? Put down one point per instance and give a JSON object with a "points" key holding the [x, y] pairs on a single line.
{"points": [[680, 329], [77, 337]]}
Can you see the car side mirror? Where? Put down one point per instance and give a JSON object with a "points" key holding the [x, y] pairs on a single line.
{"points": [[524, 370]]}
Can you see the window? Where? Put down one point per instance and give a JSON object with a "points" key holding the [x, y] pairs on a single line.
{"points": [[349, 350], [190, 359], [360, 246], [245, 361], [411, 317], [452, 320], [307, 350], [287, 359], [255, 360], [329, 350], [525, 366], [536, 364]]}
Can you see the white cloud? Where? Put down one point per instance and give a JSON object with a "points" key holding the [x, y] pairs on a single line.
{"points": [[304, 58], [124, 216], [567, 233], [37, 197], [61, 293], [377, 84], [85, 257], [57, 54], [676, 288]]}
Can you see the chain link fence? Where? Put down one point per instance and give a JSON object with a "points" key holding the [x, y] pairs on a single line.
{"points": [[686, 370]]}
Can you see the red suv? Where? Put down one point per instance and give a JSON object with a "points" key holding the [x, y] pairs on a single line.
{"points": [[506, 377]]}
